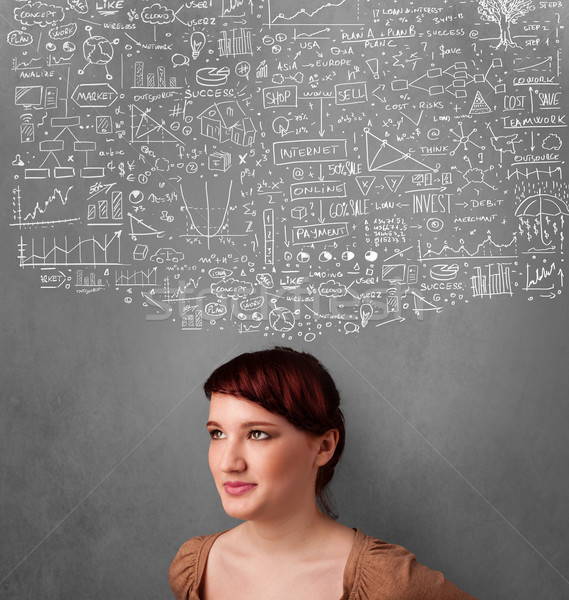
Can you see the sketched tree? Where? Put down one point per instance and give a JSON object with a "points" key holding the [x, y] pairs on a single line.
{"points": [[504, 12]]}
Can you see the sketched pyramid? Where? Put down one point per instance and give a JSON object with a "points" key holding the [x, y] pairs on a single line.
{"points": [[382, 156], [145, 129], [479, 106]]}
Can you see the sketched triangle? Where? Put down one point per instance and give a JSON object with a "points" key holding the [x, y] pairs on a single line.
{"points": [[393, 181], [382, 156], [148, 130], [365, 182], [479, 106], [144, 229], [422, 305]]}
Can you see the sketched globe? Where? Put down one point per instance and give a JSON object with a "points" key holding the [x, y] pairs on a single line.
{"points": [[281, 319], [98, 50]]}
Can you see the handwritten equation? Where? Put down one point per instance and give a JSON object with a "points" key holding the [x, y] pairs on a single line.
{"points": [[287, 167]]}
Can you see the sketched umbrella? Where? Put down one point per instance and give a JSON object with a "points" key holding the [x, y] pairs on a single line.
{"points": [[542, 204]]}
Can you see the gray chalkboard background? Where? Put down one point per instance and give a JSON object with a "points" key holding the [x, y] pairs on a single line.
{"points": [[457, 446], [457, 423]]}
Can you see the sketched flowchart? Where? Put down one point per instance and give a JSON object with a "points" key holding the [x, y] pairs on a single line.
{"points": [[287, 168]]}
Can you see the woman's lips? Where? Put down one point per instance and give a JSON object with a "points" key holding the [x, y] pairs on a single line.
{"points": [[236, 488]]}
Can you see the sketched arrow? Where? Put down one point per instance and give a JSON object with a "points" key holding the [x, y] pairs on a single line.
{"points": [[397, 319], [149, 299]]}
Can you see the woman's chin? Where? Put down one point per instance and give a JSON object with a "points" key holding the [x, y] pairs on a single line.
{"points": [[236, 507], [237, 512]]}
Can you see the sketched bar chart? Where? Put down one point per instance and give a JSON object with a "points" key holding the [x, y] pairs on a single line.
{"points": [[290, 168]]}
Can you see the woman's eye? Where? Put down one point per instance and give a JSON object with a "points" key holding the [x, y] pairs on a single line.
{"points": [[215, 434], [259, 435]]}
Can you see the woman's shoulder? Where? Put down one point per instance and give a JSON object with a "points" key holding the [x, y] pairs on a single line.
{"points": [[187, 566], [390, 570]]}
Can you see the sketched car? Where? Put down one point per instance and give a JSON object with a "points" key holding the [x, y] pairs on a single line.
{"points": [[167, 254]]}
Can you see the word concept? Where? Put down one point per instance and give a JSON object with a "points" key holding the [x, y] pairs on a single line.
{"points": [[289, 168]]}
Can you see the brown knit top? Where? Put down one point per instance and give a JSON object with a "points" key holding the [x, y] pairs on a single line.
{"points": [[375, 570]]}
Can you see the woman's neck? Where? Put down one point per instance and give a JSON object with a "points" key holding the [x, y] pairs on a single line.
{"points": [[287, 534]]}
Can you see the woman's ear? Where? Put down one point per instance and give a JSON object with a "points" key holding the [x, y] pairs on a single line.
{"points": [[326, 447]]}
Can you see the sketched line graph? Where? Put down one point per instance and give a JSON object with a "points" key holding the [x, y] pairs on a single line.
{"points": [[298, 14], [22, 66], [539, 174], [235, 8], [87, 252], [141, 278], [487, 249], [543, 278], [30, 218], [206, 233]]}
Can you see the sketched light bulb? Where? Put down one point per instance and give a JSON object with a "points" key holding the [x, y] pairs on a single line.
{"points": [[197, 42], [366, 311]]}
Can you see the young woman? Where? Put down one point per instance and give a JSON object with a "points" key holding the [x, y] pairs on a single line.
{"points": [[277, 432]]}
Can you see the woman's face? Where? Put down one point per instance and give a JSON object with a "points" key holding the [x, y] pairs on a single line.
{"points": [[263, 466]]}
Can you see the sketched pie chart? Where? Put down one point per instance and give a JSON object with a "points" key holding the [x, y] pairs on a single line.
{"points": [[444, 272], [212, 77], [136, 197], [281, 125]]}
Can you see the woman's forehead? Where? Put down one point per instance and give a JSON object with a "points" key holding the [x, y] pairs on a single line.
{"points": [[229, 407]]}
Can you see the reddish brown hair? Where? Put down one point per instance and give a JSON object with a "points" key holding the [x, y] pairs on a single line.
{"points": [[292, 384]]}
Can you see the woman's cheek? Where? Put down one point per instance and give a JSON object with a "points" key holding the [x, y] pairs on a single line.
{"points": [[212, 459]]}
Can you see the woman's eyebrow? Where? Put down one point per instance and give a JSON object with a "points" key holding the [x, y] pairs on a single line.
{"points": [[246, 425]]}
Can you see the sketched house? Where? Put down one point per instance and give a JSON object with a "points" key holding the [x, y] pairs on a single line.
{"points": [[225, 121], [243, 134]]}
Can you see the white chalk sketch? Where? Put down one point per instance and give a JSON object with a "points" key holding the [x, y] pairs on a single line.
{"points": [[504, 13], [288, 168], [97, 50]]}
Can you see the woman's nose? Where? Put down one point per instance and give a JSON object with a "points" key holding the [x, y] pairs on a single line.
{"points": [[232, 459]]}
